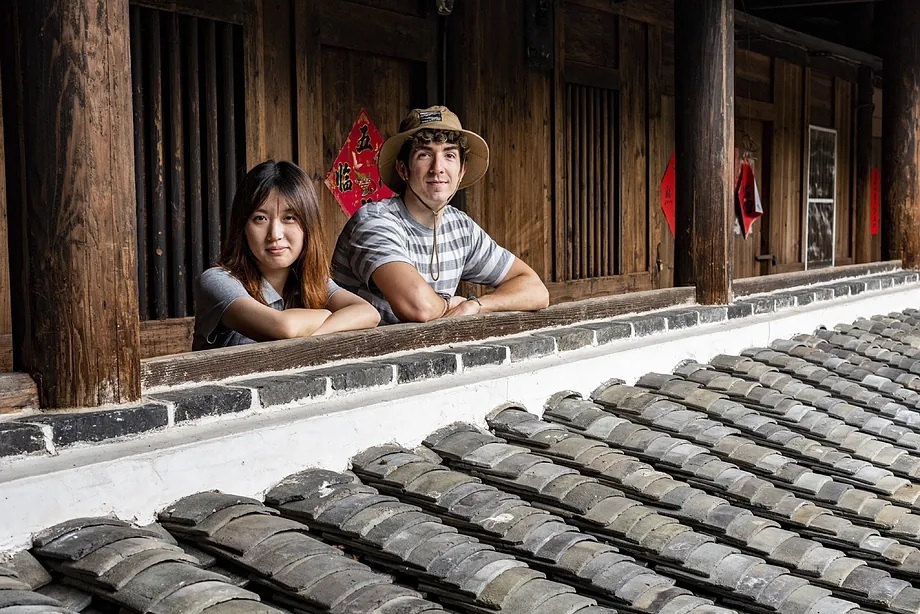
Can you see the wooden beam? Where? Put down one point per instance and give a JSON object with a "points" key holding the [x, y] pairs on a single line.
{"points": [[231, 11], [901, 134], [82, 342], [814, 46], [210, 365], [705, 121], [863, 251], [785, 281]]}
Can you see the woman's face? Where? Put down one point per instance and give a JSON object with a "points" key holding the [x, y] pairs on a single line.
{"points": [[274, 235]]}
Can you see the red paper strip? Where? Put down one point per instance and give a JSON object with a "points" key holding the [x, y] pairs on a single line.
{"points": [[875, 202], [748, 197], [354, 178], [668, 191]]}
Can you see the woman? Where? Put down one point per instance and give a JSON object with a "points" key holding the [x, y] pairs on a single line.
{"points": [[272, 279]]}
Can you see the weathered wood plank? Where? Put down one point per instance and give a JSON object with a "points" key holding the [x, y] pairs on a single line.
{"points": [[590, 36], [594, 76], [843, 122], [347, 25], [6, 352], [492, 85], [176, 165], [227, 109], [862, 250], [755, 109], [138, 57], [83, 338], [634, 147], [212, 147], [6, 320], [232, 11], [654, 12], [657, 157], [704, 57], [15, 171], [17, 392], [901, 135], [224, 363], [278, 101], [195, 184], [561, 257], [156, 172], [254, 80], [580, 289], [820, 99], [786, 202], [753, 75], [785, 280], [164, 337]]}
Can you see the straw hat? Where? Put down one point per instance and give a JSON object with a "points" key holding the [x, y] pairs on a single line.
{"points": [[433, 118]]}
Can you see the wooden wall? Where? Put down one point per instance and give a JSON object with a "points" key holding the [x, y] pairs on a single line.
{"points": [[6, 323], [777, 101], [311, 65], [497, 96]]}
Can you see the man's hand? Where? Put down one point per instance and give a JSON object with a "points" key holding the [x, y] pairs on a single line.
{"points": [[465, 308]]}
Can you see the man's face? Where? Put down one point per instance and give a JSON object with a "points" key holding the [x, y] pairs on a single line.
{"points": [[434, 172]]}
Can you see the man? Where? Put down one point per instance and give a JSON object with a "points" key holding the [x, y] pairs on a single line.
{"points": [[406, 255]]}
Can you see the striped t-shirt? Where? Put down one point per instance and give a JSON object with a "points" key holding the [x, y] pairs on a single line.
{"points": [[385, 231]]}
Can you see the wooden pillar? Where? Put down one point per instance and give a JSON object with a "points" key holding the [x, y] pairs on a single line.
{"points": [[704, 38], [79, 220], [901, 134], [863, 143], [6, 324]]}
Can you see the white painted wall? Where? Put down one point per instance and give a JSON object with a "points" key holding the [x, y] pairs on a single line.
{"points": [[248, 453]]}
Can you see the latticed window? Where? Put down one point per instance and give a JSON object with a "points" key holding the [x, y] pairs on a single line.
{"points": [[189, 149], [591, 217]]}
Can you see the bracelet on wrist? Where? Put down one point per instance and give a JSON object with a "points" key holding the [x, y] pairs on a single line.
{"points": [[475, 298]]}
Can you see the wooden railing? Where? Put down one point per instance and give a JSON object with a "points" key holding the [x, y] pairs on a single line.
{"points": [[238, 361]]}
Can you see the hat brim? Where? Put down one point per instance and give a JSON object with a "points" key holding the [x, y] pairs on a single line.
{"points": [[477, 162]]}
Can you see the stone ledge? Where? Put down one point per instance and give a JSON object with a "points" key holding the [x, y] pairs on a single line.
{"points": [[201, 401], [95, 426], [38, 434]]}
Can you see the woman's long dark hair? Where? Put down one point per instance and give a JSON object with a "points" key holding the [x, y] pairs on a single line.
{"points": [[306, 283]]}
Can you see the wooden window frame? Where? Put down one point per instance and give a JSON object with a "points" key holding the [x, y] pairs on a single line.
{"points": [[809, 200]]}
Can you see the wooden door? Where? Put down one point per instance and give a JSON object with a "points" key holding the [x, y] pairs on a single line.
{"points": [[353, 55]]}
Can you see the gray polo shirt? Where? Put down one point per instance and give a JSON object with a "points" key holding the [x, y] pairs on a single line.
{"points": [[215, 290]]}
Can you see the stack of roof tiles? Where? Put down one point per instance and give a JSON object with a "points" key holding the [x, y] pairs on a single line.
{"points": [[779, 480], [283, 561], [465, 573]]}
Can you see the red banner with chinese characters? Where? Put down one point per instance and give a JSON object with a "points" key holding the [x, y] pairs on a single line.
{"points": [[668, 191], [875, 201], [354, 178]]}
